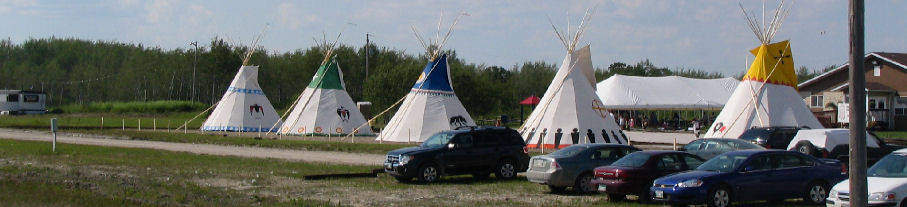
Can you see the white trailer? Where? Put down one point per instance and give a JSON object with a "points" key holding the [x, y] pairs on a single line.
{"points": [[22, 102]]}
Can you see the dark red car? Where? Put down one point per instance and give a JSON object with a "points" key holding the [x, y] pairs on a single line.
{"points": [[633, 174]]}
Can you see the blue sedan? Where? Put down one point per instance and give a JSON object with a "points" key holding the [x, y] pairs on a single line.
{"points": [[751, 175]]}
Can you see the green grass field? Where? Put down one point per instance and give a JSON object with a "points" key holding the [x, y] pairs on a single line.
{"points": [[374, 148], [111, 120], [79, 175]]}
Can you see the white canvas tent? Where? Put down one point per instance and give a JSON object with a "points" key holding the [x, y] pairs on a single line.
{"points": [[244, 107], [570, 112], [325, 107], [431, 105], [767, 95], [659, 93]]}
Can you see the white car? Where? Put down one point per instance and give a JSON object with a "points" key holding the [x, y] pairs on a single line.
{"points": [[833, 144], [887, 183]]}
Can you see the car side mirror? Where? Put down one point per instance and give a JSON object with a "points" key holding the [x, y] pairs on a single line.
{"points": [[451, 146]]}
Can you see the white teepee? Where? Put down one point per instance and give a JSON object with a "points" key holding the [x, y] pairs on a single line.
{"points": [[431, 105], [244, 107], [324, 106], [570, 112], [767, 95]]}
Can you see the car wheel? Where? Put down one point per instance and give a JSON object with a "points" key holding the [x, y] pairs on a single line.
{"points": [[614, 197], [556, 189], [505, 170], [816, 193], [720, 197], [428, 173], [403, 179], [583, 183]]}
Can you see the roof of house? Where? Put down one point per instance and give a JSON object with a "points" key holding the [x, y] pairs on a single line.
{"points": [[898, 59]]}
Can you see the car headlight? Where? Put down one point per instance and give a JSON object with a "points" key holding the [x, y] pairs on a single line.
{"points": [[405, 158], [690, 183], [882, 196], [832, 193]]}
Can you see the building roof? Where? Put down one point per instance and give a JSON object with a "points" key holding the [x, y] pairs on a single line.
{"points": [[898, 59], [669, 92]]}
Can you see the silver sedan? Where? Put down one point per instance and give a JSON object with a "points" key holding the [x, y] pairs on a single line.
{"points": [[572, 166]]}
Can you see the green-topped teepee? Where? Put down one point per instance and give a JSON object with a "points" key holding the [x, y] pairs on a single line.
{"points": [[328, 76], [325, 107]]}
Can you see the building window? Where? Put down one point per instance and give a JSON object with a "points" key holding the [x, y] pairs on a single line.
{"points": [[900, 112], [872, 104], [30, 98], [815, 101], [877, 68], [12, 98]]}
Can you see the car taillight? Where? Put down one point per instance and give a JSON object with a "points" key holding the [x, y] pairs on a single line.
{"points": [[824, 154], [526, 149], [554, 165], [617, 173], [843, 168]]}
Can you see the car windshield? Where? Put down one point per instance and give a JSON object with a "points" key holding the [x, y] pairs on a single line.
{"points": [[744, 145], [569, 151], [437, 140], [723, 163], [891, 166], [636, 159]]}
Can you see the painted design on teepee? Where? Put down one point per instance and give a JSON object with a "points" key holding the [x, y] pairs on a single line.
{"points": [[773, 64]]}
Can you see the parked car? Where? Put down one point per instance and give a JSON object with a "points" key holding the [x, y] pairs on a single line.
{"points": [[633, 174], [770, 137], [834, 144], [711, 147], [572, 166], [748, 175], [479, 151], [887, 181]]}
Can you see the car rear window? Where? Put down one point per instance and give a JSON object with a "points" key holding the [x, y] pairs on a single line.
{"points": [[569, 151], [636, 159]]}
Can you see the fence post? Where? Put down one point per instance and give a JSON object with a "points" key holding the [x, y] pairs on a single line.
{"points": [[140, 124], [154, 124], [102, 123], [185, 127], [168, 125], [53, 129], [124, 124]]}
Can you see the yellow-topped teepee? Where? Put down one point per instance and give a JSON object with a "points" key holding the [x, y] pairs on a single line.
{"points": [[774, 64]]}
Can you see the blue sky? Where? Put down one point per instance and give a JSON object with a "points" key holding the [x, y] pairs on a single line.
{"points": [[709, 35]]}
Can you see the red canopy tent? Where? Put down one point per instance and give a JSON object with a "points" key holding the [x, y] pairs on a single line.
{"points": [[531, 100]]}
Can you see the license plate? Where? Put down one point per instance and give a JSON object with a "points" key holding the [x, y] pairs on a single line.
{"points": [[659, 194], [602, 188], [539, 163]]}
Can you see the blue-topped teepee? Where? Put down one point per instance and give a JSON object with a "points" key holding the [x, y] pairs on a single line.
{"points": [[431, 105]]}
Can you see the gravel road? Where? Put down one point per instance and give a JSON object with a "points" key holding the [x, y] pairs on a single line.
{"points": [[254, 152]]}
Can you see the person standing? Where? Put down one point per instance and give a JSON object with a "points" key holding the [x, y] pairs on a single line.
{"points": [[696, 126]]}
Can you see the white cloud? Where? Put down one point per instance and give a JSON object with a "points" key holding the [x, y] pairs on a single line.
{"points": [[288, 15]]}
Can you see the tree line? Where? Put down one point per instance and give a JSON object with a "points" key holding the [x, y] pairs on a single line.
{"points": [[75, 71]]}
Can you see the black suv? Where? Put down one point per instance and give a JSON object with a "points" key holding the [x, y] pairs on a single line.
{"points": [[770, 137], [479, 151]]}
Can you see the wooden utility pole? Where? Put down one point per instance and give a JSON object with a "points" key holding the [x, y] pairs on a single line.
{"points": [[858, 188], [194, 63]]}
